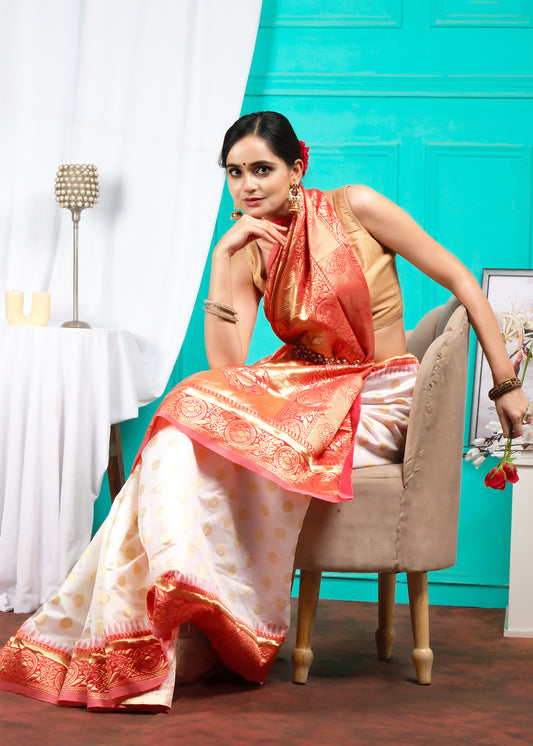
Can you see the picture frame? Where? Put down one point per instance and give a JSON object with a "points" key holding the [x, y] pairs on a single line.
{"points": [[510, 294]]}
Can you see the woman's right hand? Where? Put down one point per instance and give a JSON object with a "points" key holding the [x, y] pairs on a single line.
{"points": [[248, 229]]}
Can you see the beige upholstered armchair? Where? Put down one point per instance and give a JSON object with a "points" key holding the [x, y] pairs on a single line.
{"points": [[404, 516]]}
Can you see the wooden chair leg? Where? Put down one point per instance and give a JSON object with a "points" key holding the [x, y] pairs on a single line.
{"points": [[302, 656], [115, 467], [385, 630], [417, 584]]}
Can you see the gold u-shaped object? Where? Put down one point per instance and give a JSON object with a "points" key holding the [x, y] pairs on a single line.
{"points": [[40, 309]]}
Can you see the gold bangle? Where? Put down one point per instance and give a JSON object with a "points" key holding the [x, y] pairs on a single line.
{"points": [[504, 386], [220, 307], [220, 314]]}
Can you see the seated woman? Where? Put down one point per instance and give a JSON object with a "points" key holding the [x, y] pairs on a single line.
{"points": [[204, 531]]}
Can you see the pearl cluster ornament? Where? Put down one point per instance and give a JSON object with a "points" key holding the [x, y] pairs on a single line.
{"points": [[77, 186]]}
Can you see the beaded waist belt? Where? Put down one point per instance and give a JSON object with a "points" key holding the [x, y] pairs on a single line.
{"points": [[302, 352]]}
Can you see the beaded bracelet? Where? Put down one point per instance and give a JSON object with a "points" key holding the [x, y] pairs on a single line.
{"points": [[504, 387]]}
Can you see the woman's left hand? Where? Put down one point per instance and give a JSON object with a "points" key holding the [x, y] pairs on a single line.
{"points": [[511, 408]]}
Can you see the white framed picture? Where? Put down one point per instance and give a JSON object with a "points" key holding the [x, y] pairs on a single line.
{"points": [[510, 294]]}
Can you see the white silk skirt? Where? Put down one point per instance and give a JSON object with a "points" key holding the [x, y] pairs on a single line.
{"points": [[193, 538]]}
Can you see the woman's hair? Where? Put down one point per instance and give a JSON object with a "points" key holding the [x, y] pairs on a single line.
{"points": [[273, 128]]}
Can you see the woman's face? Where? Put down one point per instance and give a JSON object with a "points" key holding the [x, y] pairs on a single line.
{"points": [[259, 180]]}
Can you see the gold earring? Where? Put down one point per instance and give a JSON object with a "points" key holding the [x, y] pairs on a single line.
{"points": [[294, 199], [236, 214]]}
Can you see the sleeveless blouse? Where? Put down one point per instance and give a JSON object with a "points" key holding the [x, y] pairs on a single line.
{"points": [[378, 264]]}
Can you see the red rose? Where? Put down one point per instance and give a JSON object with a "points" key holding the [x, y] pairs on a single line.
{"points": [[511, 474], [496, 479]]}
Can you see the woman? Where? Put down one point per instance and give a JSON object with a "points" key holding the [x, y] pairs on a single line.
{"points": [[205, 528]]}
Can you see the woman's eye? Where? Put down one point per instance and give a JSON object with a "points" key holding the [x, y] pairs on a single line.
{"points": [[234, 172], [264, 170]]}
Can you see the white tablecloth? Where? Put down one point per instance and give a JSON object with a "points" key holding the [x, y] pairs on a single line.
{"points": [[60, 390]]}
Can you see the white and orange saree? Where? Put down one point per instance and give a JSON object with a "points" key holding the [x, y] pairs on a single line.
{"points": [[205, 528]]}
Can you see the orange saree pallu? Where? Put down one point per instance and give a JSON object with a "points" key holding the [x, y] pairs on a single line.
{"points": [[287, 417], [205, 528]]}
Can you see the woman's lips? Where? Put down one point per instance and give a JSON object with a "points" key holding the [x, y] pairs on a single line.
{"points": [[251, 201]]}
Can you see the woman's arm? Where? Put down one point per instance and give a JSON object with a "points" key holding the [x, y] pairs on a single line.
{"points": [[394, 228], [232, 285]]}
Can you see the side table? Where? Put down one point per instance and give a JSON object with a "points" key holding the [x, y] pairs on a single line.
{"points": [[61, 391]]}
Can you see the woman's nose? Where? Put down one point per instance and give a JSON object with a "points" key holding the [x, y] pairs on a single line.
{"points": [[249, 182]]}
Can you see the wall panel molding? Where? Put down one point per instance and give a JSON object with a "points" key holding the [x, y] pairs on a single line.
{"points": [[386, 153], [309, 14], [405, 86], [436, 152], [484, 13]]}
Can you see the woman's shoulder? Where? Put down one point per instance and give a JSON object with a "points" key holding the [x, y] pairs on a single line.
{"points": [[361, 199]]}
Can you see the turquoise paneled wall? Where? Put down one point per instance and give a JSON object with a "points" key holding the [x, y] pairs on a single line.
{"points": [[429, 102]]}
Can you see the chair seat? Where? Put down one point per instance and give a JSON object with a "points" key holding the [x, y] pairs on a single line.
{"points": [[326, 540]]}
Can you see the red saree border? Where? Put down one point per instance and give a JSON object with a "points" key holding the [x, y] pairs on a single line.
{"points": [[246, 650], [102, 674]]}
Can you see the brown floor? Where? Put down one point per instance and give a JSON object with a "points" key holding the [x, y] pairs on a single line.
{"points": [[482, 693]]}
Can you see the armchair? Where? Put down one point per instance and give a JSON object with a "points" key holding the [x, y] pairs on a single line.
{"points": [[404, 516]]}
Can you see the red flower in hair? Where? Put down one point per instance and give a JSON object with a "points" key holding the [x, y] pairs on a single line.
{"points": [[304, 154]]}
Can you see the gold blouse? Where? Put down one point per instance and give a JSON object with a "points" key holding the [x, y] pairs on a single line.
{"points": [[378, 264]]}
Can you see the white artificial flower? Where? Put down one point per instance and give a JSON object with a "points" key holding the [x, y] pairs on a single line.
{"points": [[479, 441], [479, 460], [494, 426], [528, 435], [472, 453]]}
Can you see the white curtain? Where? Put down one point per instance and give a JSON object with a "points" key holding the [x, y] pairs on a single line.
{"points": [[144, 89]]}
